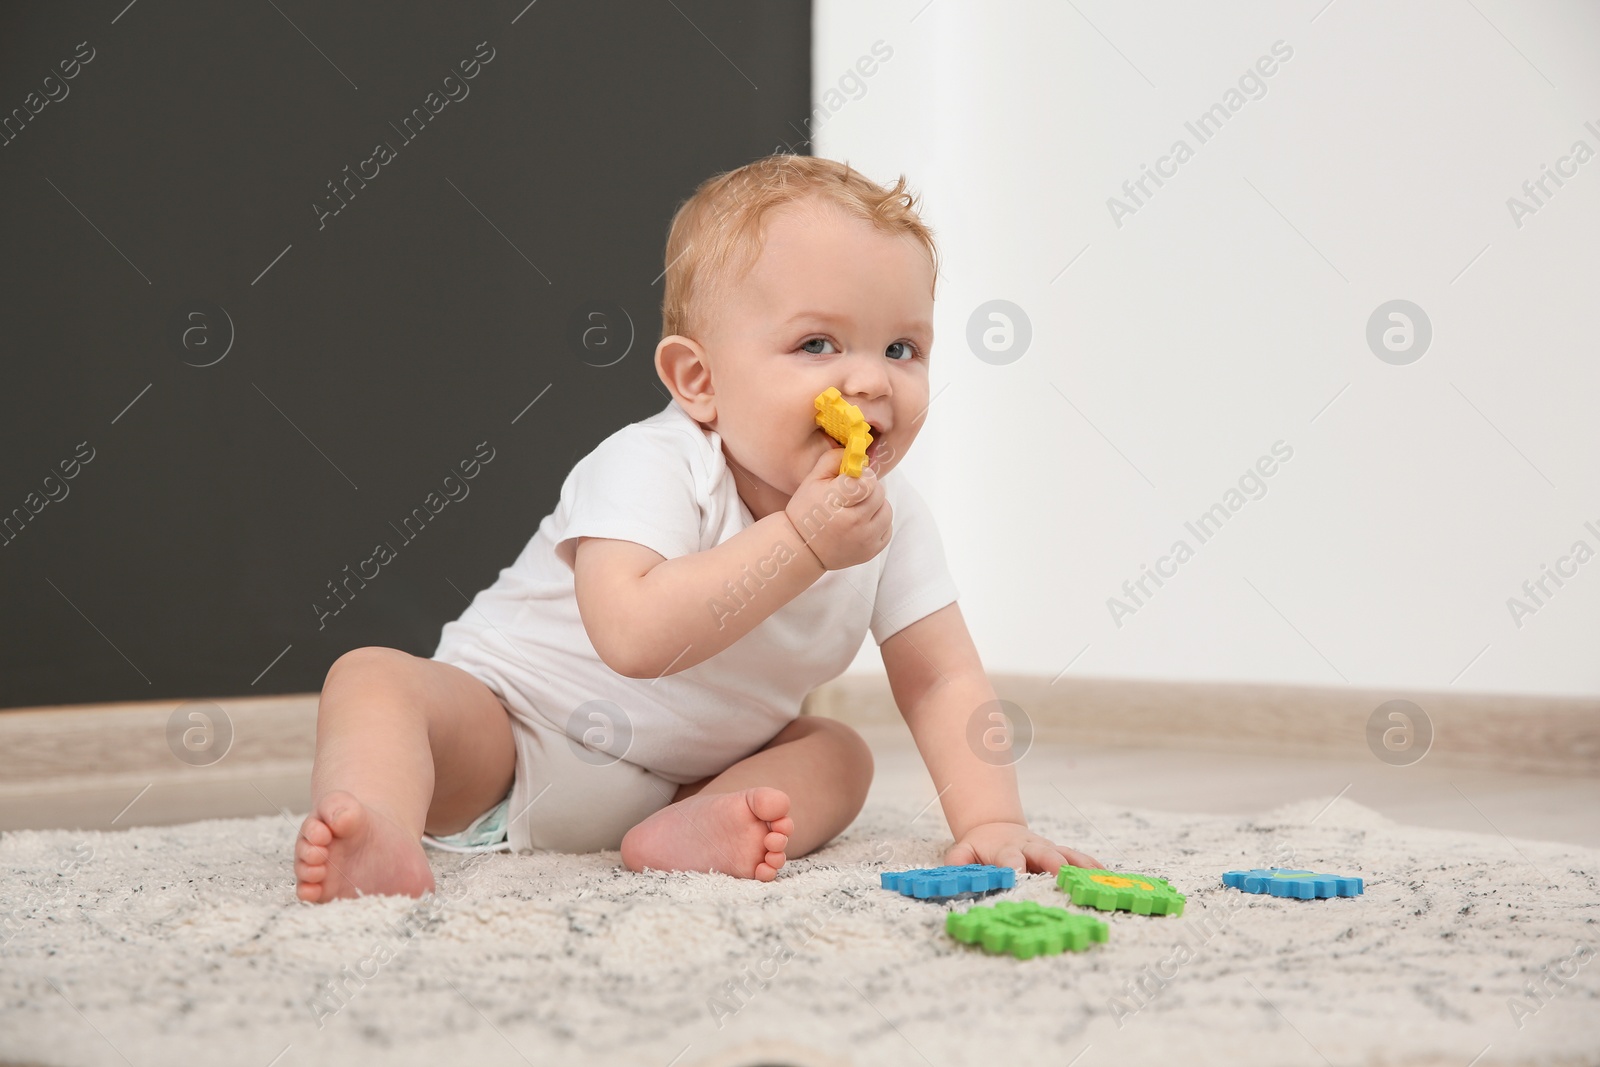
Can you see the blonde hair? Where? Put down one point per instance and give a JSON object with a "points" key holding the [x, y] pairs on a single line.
{"points": [[716, 233]]}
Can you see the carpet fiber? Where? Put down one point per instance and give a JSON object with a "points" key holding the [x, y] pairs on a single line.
{"points": [[185, 943]]}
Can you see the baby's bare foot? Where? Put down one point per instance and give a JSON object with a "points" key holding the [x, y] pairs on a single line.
{"points": [[742, 833], [346, 849]]}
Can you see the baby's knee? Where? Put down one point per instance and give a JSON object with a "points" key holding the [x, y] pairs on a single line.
{"points": [[367, 658], [368, 667], [854, 754]]}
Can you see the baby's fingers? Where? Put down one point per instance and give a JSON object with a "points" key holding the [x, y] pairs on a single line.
{"points": [[1044, 856], [1083, 859], [857, 492], [827, 465], [961, 855], [1011, 856]]}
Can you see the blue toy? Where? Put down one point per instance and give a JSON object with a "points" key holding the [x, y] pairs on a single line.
{"points": [[943, 883], [1304, 885]]}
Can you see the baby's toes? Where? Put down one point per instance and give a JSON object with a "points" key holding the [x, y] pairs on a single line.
{"points": [[344, 815], [776, 859], [315, 832], [767, 803], [783, 826], [775, 841], [765, 872], [305, 851]]}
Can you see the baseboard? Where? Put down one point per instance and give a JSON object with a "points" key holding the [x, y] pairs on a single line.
{"points": [[109, 766], [1511, 732], [78, 766], [71, 741]]}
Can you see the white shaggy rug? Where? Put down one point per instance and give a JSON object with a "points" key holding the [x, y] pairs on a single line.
{"points": [[185, 944]]}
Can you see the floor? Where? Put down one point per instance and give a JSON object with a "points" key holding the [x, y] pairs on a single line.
{"points": [[1053, 778], [146, 945]]}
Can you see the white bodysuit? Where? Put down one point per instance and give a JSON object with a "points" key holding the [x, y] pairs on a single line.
{"points": [[663, 482]]}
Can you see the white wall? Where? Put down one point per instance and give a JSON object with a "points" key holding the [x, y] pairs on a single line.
{"points": [[1229, 310]]}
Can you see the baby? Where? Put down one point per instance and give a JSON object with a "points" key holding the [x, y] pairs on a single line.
{"points": [[633, 680]]}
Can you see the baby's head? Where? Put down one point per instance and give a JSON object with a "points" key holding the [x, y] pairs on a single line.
{"points": [[786, 276]]}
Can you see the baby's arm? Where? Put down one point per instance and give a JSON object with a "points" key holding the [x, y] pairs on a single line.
{"points": [[939, 683], [647, 616]]}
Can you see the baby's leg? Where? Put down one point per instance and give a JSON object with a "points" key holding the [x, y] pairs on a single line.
{"points": [[404, 744], [793, 796]]}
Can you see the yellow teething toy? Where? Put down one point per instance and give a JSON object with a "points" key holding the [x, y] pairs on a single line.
{"points": [[843, 422]]}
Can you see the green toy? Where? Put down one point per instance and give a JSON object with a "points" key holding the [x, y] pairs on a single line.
{"points": [[1142, 894], [1025, 929]]}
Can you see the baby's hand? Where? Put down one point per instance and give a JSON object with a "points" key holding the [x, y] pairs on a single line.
{"points": [[1009, 844], [844, 520]]}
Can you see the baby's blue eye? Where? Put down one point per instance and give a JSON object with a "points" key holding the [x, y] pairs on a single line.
{"points": [[815, 341], [911, 352]]}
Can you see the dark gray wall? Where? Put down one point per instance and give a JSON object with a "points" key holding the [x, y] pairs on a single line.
{"points": [[159, 215]]}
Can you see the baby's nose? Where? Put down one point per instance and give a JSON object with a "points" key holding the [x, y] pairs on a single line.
{"points": [[866, 379]]}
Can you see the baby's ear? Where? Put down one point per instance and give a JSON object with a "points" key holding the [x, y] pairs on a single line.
{"points": [[685, 369]]}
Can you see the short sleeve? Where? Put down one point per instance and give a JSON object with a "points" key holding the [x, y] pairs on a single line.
{"points": [[637, 485], [915, 581]]}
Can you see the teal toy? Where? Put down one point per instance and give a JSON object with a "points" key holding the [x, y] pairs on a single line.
{"points": [[944, 883], [1302, 885]]}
